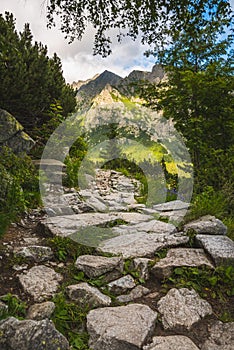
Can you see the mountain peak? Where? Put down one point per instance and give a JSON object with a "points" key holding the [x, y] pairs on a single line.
{"points": [[95, 86], [87, 91]]}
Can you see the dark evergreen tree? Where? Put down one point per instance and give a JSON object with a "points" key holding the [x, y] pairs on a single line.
{"points": [[30, 80]]}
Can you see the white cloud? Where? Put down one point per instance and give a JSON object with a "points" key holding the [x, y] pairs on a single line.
{"points": [[77, 59]]}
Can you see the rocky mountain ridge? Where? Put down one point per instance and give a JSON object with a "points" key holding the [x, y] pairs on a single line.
{"points": [[92, 87]]}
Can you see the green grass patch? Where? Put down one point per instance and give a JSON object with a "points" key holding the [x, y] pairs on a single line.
{"points": [[15, 307], [69, 319], [214, 285], [67, 249]]}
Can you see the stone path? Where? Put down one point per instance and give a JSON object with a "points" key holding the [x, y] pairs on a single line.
{"points": [[127, 310]]}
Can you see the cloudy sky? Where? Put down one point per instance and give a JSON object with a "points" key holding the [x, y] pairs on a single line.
{"points": [[77, 59]]}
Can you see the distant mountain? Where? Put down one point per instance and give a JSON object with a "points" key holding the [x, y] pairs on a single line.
{"points": [[154, 76], [90, 89], [95, 86], [79, 83]]}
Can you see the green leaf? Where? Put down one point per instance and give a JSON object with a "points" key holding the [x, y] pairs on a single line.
{"points": [[179, 271], [213, 280], [80, 276]]}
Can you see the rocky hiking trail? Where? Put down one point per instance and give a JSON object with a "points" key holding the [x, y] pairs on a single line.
{"points": [[113, 259]]}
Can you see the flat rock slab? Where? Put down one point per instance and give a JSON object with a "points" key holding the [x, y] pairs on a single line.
{"points": [[221, 337], [66, 225], [121, 285], [174, 342], [84, 294], [97, 204], [180, 257], [182, 308], [207, 225], [152, 226], [171, 206], [41, 282], [94, 266], [120, 328], [220, 248], [141, 244], [30, 334], [173, 215]]}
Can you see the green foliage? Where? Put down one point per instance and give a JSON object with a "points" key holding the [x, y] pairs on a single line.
{"points": [[131, 270], [15, 307], [30, 80], [161, 253], [73, 162], [229, 222], [216, 284], [209, 202], [72, 171], [43, 132], [21, 188], [69, 319], [66, 249], [154, 21], [198, 92]]}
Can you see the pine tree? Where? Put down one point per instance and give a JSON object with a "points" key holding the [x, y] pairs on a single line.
{"points": [[30, 80]]}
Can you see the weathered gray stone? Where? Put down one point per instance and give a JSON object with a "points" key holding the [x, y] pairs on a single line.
{"points": [[122, 285], [220, 248], [20, 267], [84, 294], [173, 215], [41, 282], [30, 334], [94, 266], [41, 311], [96, 202], [172, 205], [142, 266], [37, 253], [174, 342], [134, 218], [69, 224], [207, 225], [221, 337], [182, 308], [9, 126], [137, 292], [137, 207], [120, 328], [12, 134], [141, 244], [21, 142], [180, 257], [152, 226]]}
